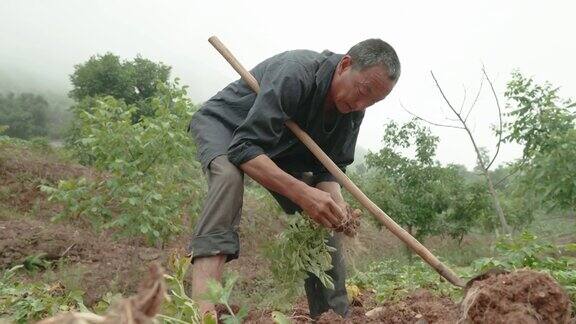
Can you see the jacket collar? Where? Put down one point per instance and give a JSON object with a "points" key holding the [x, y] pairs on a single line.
{"points": [[324, 77]]}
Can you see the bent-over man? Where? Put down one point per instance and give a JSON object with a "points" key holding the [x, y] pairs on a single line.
{"points": [[240, 132]]}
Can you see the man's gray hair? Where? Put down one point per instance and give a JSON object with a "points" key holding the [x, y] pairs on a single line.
{"points": [[373, 52]]}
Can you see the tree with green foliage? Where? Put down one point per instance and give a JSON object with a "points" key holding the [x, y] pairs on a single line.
{"points": [[25, 115], [483, 162], [544, 123], [470, 204], [133, 82], [417, 191]]}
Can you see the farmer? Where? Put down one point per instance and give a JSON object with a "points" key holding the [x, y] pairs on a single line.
{"points": [[238, 131]]}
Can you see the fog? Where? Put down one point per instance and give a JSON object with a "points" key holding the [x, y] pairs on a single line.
{"points": [[41, 41]]}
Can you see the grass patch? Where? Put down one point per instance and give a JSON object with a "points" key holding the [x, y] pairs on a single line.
{"points": [[23, 302]]}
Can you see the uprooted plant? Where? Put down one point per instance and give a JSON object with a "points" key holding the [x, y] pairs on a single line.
{"points": [[300, 249]]}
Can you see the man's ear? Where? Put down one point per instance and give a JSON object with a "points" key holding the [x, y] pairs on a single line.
{"points": [[345, 63]]}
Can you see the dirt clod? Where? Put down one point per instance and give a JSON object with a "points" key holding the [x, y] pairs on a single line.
{"points": [[350, 223], [330, 317], [422, 307], [523, 296]]}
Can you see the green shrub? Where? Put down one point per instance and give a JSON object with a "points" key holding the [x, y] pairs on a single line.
{"points": [[150, 178]]}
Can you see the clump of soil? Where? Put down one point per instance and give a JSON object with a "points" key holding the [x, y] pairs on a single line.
{"points": [[420, 307], [350, 223], [330, 317], [518, 297]]}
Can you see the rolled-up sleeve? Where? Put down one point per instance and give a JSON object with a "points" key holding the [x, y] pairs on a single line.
{"points": [[283, 87]]}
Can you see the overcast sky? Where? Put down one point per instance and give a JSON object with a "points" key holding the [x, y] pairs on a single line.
{"points": [[43, 39]]}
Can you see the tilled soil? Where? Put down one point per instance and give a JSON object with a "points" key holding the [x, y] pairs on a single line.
{"points": [[21, 175], [519, 297], [420, 307], [105, 264], [523, 296]]}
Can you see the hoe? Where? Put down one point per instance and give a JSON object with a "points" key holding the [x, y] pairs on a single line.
{"points": [[390, 224]]}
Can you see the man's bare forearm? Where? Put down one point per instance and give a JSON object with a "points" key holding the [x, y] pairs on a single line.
{"points": [[316, 203], [267, 173]]}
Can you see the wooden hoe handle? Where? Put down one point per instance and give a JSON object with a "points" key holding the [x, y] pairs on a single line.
{"points": [[390, 224]]}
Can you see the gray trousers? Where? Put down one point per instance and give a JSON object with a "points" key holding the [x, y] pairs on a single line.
{"points": [[216, 233]]}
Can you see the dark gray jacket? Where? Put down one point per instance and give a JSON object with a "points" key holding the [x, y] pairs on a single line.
{"points": [[293, 85]]}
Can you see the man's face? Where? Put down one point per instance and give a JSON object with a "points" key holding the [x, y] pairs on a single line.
{"points": [[355, 90]]}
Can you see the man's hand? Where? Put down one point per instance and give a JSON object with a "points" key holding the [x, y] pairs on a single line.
{"points": [[321, 207], [351, 221], [323, 204], [318, 204]]}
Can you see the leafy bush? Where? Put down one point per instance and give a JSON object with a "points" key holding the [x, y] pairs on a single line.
{"points": [[150, 177], [469, 203], [416, 190], [133, 82], [220, 294], [545, 125], [82, 198], [179, 308]]}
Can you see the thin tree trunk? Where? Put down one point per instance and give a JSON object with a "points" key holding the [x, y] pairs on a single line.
{"points": [[484, 165], [496, 202]]}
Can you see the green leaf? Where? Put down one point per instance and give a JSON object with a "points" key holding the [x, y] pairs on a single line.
{"points": [[280, 318], [208, 318]]}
